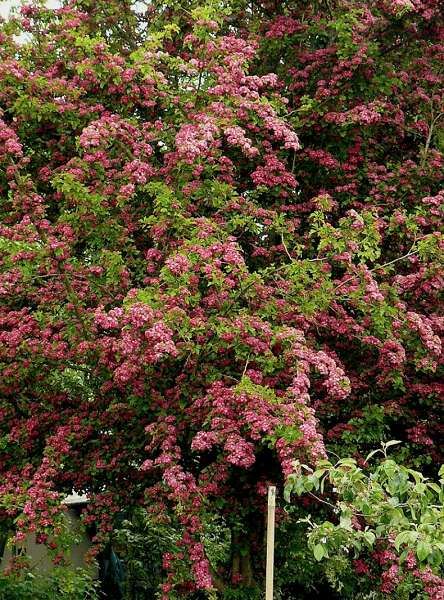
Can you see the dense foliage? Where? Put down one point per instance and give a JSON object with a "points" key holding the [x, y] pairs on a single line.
{"points": [[62, 583], [220, 252], [393, 504]]}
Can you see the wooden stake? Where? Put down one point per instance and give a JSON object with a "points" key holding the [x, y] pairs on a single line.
{"points": [[269, 575]]}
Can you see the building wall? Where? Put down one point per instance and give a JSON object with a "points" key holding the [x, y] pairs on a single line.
{"points": [[39, 554]]}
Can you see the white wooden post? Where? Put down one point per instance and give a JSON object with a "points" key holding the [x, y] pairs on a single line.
{"points": [[269, 574]]}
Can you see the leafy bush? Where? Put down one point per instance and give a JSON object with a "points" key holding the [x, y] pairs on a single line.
{"points": [[386, 526], [62, 583]]}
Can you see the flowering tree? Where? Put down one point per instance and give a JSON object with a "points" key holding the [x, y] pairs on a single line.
{"points": [[220, 250]]}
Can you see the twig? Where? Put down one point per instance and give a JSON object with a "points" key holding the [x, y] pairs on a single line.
{"points": [[411, 252], [246, 365], [429, 138], [285, 247]]}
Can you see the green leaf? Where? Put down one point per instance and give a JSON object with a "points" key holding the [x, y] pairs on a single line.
{"points": [[348, 462], [372, 453], [423, 550], [435, 487], [392, 443], [319, 552], [369, 537], [401, 538], [287, 492]]}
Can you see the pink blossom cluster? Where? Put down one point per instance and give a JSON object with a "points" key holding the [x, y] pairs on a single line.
{"points": [[372, 291], [390, 579], [178, 264], [175, 478], [141, 339], [433, 584], [323, 158], [392, 357], [281, 131], [138, 172], [204, 440], [201, 567], [273, 173], [361, 567], [196, 140], [363, 114], [110, 130], [236, 137], [282, 26], [423, 327], [9, 142], [336, 383], [160, 339], [435, 204], [398, 7], [108, 320], [239, 452], [419, 435]]}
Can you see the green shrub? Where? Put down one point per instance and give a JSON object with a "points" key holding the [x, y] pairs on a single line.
{"points": [[62, 583], [385, 531]]}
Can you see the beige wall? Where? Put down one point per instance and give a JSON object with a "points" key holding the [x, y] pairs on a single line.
{"points": [[39, 554]]}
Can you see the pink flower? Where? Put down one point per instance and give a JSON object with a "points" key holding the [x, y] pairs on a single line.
{"points": [[178, 264], [239, 452]]}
